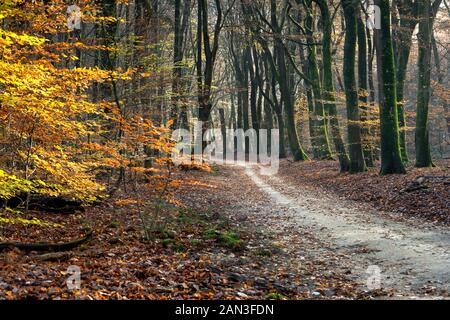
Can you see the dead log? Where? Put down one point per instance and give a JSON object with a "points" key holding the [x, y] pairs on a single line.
{"points": [[64, 246], [55, 256], [414, 187], [419, 183], [44, 203]]}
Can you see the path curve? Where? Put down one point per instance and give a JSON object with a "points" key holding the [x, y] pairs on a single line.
{"points": [[409, 258]]}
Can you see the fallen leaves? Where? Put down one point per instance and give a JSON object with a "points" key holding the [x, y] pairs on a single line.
{"points": [[194, 256], [383, 192]]}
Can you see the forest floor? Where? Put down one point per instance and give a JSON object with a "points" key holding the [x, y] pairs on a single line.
{"points": [[410, 250], [235, 234], [430, 202]]}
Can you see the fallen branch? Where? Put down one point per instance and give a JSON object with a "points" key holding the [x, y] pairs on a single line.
{"points": [[64, 246], [414, 187], [44, 203], [54, 256], [419, 184]]}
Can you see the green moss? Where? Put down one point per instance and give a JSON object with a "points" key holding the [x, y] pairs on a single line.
{"points": [[263, 253], [274, 296], [227, 239], [178, 247], [167, 242], [114, 225], [195, 242], [230, 240]]}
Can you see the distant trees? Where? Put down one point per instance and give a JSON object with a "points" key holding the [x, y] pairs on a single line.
{"points": [[276, 58], [97, 103], [304, 67]]}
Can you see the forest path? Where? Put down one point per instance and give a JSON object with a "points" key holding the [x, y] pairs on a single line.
{"points": [[411, 258]]}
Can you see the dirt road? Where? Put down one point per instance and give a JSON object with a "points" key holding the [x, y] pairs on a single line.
{"points": [[382, 253]]}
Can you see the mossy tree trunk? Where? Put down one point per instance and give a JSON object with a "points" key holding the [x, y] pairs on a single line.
{"points": [[357, 163], [404, 33], [364, 93], [320, 140], [423, 153], [328, 86], [391, 161], [285, 90]]}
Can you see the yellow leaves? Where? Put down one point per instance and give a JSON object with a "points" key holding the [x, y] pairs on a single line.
{"points": [[44, 105], [71, 177], [57, 138], [6, 7], [120, 74], [144, 170], [145, 74], [8, 38], [125, 202], [11, 216], [46, 102]]}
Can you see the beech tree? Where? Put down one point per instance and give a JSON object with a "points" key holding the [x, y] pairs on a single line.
{"points": [[426, 13], [357, 163], [391, 161]]}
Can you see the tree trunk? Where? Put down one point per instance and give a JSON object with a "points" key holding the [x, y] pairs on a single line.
{"points": [[363, 93], [437, 62], [252, 62], [404, 33], [423, 152], [285, 90], [320, 140], [328, 94], [373, 129], [391, 161], [357, 163], [180, 25]]}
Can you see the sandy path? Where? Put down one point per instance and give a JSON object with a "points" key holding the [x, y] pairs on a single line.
{"points": [[410, 258]]}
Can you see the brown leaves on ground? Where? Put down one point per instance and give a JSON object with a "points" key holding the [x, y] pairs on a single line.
{"points": [[209, 246], [384, 192]]}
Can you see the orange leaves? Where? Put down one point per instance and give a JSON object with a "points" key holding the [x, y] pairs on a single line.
{"points": [[43, 108], [441, 91], [125, 202], [8, 38], [52, 129]]}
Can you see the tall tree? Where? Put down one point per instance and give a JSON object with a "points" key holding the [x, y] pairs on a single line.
{"points": [[320, 142], [440, 76], [328, 86], [423, 153], [357, 163], [181, 19], [391, 161], [285, 90], [403, 36], [363, 92], [209, 51]]}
